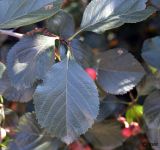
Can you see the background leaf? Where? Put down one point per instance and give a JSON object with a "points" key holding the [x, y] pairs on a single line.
{"points": [[152, 118], [12, 94], [109, 14], [82, 53], [29, 60], [61, 24], [148, 84], [109, 106], [16, 13], [66, 104], [105, 135], [151, 52], [119, 71], [30, 136]]}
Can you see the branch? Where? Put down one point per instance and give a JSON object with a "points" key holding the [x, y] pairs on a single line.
{"points": [[11, 33]]}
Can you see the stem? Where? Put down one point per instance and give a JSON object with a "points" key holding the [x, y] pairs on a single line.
{"points": [[11, 33], [74, 35]]}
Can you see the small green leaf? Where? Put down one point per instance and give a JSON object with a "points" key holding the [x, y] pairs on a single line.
{"points": [[134, 113]]}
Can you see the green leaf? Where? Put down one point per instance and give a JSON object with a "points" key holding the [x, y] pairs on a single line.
{"points": [[105, 135], [134, 113], [66, 104], [29, 60], [16, 13], [119, 71], [151, 52], [152, 118], [109, 14], [30, 136]]}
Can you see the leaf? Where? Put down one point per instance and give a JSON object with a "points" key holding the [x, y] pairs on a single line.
{"points": [[152, 117], [66, 104], [149, 84], [30, 136], [151, 52], [2, 69], [109, 14], [82, 53], [109, 106], [29, 60], [16, 13], [134, 113], [119, 71], [22, 95], [12, 94], [61, 24], [11, 118], [105, 135]]}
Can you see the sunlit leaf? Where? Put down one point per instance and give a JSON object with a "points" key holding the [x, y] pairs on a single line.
{"points": [[108, 14], [16, 13], [29, 60], [66, 104], [119, 71]]}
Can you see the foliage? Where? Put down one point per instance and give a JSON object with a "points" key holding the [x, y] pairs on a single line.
{"points": [[46, 69]]}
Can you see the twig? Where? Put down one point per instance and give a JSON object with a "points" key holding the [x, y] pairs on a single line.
{"points": [[11, 33]]}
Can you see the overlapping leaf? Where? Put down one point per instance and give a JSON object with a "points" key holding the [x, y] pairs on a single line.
{"points": [[109, 107], [16, 13], [108, 14], [151, 52], [119, 71], [82, 53], [66, 104], [152, 118], [29, 60], [149, 84], [105, 135], [12, 94], [30, 136], [11, 119], [61, 24]]}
